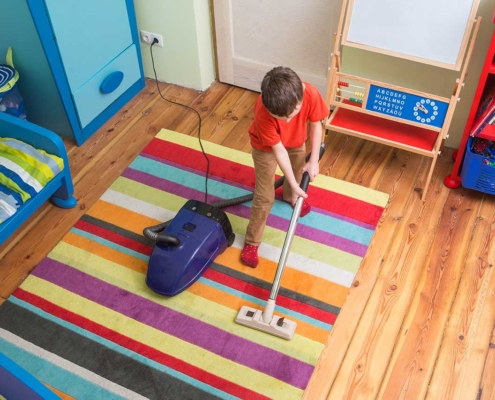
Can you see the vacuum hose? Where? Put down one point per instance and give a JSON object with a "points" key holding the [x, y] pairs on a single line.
{"points": [[156, 234]]}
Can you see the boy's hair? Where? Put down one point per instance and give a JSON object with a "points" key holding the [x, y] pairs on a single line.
{"points": [[281, 91]]}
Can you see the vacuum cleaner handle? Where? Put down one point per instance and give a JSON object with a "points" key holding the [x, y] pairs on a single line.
{"points": [[287, 243], [322, 150], [305, 181]]}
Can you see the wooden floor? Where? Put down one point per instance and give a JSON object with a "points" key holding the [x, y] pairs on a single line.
{"points": [[419, 319]]}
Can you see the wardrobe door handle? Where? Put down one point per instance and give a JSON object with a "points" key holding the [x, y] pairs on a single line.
{"points": [[112, 82]]}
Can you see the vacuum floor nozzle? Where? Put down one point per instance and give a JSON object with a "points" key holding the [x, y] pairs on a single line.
{"points": [[278, 326], [265, 320]]}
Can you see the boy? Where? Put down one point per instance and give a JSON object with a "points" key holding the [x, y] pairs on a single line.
{"points": [[278, 134]]}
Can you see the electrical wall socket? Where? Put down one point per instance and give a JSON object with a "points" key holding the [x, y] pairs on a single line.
{"points": [[147, 37]]}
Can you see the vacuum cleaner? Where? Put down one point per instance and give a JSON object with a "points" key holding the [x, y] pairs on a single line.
{"points": [[265, 320], [187, 245], [191, 241]]}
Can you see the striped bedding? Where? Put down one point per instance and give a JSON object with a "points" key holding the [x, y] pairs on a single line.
{"points": [[24, 172]]}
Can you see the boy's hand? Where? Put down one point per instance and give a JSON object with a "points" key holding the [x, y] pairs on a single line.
{"points": [[313, 169], [296, 193]]}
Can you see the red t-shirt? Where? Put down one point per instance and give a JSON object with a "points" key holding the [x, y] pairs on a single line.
{"points": [[266, 131]]}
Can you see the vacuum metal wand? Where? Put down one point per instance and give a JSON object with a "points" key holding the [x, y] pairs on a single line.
{"points": [[264, 320], [270, 306]]}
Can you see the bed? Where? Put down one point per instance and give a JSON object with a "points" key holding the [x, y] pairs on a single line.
{"points": [[17, 383], [58, 187]]}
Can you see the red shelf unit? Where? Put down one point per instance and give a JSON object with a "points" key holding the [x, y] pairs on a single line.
{"points": [[388, 131], [453, 180], [488, 132]]}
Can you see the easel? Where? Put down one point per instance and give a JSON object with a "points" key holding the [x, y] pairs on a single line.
{"points": [[372, 110]]}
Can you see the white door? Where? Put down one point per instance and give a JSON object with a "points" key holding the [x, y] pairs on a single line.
{"points": [[256, 35]]}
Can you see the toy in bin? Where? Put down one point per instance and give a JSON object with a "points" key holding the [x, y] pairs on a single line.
{"points": [[11, 101], [478, 169], [484, 147]]}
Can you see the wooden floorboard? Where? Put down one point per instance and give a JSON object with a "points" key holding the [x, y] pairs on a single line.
{"points": [[187, 120], [398, 180], [487, 386], [368, 356], [459, 367], [421, 334], [340, 153], [419, 319], [368, 167]]}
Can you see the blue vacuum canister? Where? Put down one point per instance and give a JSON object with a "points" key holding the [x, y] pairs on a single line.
{"points": [[188, 245]]}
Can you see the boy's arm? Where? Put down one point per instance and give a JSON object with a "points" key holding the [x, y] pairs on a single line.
{"points": [[315, 134], [283, 161]]}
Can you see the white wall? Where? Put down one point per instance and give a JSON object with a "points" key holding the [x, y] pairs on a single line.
{"points": [[187, 56]]}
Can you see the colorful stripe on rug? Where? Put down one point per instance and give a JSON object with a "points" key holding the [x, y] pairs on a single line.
{"points": [[85, 323]]}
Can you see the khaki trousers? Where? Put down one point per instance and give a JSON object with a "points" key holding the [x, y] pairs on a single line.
{"points": [[265, 166]]}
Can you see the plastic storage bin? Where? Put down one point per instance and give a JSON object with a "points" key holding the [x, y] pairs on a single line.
{"points": [[475, 173], [11, 101]]}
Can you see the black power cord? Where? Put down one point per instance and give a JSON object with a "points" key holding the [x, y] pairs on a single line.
{"points": [[155, 40]]}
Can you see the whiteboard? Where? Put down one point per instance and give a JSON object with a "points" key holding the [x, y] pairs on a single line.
{"points": [[430, 31]]}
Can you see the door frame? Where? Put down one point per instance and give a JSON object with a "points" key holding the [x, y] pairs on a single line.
{"points": [[224, 50]]}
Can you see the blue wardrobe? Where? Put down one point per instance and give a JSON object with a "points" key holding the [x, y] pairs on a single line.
{"points": [[79, 61]]}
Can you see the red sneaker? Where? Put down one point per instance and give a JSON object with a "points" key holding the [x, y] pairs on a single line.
{"points": [[305, 209], [249, 255]]}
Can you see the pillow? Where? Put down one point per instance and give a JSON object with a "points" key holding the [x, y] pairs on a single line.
{"points": [[24, 172]]}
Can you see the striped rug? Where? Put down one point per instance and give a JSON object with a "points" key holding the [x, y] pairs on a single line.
{"points": [[85, 323]]}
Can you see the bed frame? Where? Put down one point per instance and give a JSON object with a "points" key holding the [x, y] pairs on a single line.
{"points": [[20, 384], [60, 188]]}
